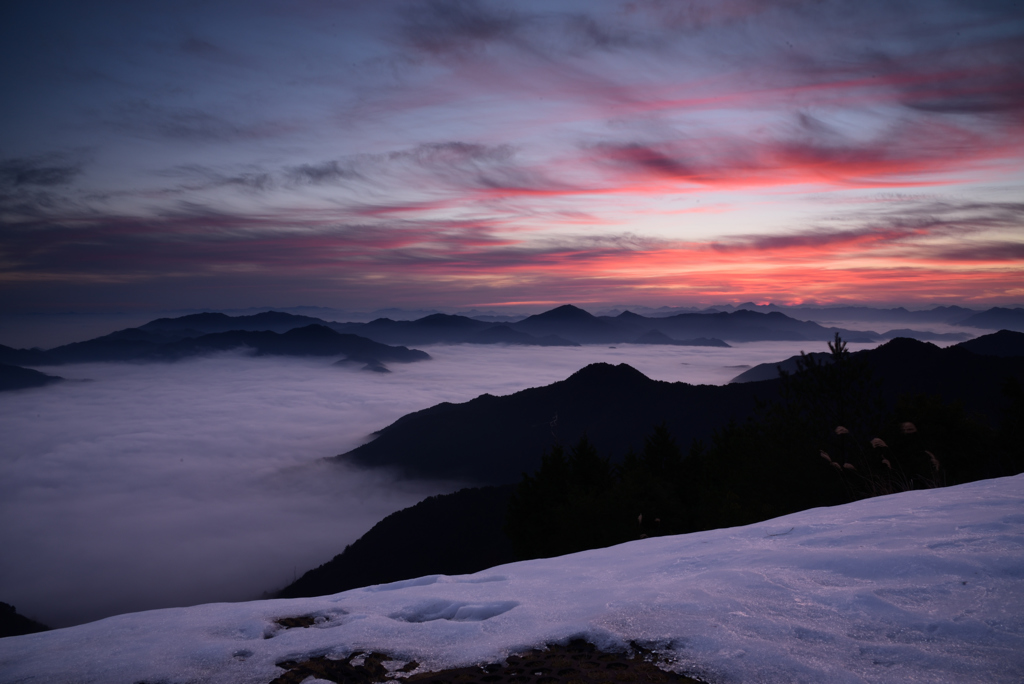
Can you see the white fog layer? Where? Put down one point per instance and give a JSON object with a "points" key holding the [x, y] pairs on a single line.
{"points": [[137, 486]]}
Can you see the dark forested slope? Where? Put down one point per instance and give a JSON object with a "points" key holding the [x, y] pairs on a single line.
{"points": [[16, 377], [452, 534], [493, 440]]}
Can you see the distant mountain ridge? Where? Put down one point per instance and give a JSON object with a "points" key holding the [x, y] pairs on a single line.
{"points": [[709, 327], [997, 317], [566, 325], [1004, 343], [449, 329], [274, 321], [658, 337], [167, 341], [940, 314]]}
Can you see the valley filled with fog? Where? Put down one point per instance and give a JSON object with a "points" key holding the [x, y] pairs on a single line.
{"points": [[138, 486]]}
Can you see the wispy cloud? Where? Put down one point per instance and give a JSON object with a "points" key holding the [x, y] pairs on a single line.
{"points": [[197, 177], [195, 125], [914, 231], [321, 173], [46, 171], [956, 245], [808, 152], [458, 27]]}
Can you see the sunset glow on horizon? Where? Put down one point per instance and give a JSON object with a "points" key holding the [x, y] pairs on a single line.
{"points": [[461, 154]]}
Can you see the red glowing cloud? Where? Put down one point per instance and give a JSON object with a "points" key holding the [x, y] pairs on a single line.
{"points": [[939, 252]]}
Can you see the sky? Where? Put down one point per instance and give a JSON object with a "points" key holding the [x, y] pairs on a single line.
{"points": [[464, 153], [923, 586]]}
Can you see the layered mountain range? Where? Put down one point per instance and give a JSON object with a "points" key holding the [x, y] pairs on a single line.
{"points": [[384, 340], [175, 339], [995, 318], [570, 325]]}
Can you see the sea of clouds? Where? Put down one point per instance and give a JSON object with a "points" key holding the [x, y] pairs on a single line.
{"points": [[136, 486]]}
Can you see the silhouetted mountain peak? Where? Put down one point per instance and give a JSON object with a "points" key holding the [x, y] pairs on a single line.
{"points": [[199, 321], [607, 373], [275, 317], [750, 314], [925, 335], [908, 345], [440, 320], [630, 316], [1002, 343], [276, 321], [902, 351], [566, 312], [311, 331]]}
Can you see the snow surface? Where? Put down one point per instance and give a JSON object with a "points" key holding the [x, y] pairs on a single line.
{"points": [[924, 586]]}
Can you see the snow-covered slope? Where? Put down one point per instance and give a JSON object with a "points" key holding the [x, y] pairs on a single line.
{"points": [[923, 586]]}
